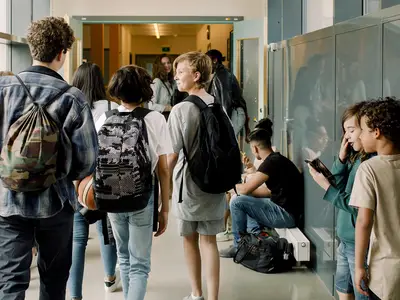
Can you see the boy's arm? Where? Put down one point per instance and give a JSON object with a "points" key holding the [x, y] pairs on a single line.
{"points": [[84, 143], [175, 128], [363, 196], [365, 220], [249, 187]]}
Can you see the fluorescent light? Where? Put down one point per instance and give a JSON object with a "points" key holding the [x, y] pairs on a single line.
{"points": [[157, 31], [83, 19]]}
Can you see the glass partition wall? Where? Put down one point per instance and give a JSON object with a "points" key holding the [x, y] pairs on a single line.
{"points": [[311, 80]]}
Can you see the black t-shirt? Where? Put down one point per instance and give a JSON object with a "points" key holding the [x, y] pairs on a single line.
{"points": [[285, 183]]}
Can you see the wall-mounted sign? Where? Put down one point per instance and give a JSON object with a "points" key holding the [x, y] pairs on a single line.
{"points": [[165, 49]]}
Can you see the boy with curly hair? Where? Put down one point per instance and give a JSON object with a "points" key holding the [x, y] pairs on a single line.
{"points": [[46, 215], [376, 193]]}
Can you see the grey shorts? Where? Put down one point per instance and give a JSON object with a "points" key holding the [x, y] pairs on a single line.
{"points": [[201, 227]]}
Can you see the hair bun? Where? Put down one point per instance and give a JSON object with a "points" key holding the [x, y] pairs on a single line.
{"points": [[265, 124]]}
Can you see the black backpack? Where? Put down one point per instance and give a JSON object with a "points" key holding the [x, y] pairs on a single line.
{"points": [[216, 165], [265, 254]]}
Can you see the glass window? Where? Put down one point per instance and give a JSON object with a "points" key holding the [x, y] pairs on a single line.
{"points": [[318, 14], [371, 6], [4, 61], [4, 16]]}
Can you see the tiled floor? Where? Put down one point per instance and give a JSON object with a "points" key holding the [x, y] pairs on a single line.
{"points": [[168, 279]]}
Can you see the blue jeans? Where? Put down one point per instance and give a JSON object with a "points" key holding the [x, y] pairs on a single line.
{"points": [[345, 268], [133, 233], [249, 212], [238, 120], [80, 239]]}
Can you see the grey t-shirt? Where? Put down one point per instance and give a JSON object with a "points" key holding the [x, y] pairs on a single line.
{"points": [[183, 124]]}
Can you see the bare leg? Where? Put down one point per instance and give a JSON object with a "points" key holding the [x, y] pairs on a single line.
{"points": [[193, 262], [210, 255]]}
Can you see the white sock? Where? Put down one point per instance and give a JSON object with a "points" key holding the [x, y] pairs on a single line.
{"points": [[197, 298]]}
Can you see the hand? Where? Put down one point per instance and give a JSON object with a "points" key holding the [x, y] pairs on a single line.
{"points": [[361, 281], [344, 150], [162, 223], [247, 163], [319, 178], [167, 108]]}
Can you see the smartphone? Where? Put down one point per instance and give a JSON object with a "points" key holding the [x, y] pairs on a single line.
{"points": [[319, 166]]}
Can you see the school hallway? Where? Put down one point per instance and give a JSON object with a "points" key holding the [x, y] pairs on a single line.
{"points": [[169, 281]]}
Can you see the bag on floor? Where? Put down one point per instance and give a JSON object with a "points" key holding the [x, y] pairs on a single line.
{"points": [[216, 165], [265, 254], [123, 180]]}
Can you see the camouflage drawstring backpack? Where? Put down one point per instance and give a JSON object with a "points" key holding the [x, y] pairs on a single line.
{"points": [[28, 159]]}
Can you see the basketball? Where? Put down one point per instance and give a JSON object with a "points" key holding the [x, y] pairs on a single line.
{"points": [[85, 193]]}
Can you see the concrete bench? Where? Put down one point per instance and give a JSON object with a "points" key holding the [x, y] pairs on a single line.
{"points": [[301, 245]]}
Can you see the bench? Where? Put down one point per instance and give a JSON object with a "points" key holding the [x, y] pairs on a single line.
{"points": [[301, 245]]}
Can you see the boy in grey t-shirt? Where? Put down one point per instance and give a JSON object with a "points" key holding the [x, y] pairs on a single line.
{"points": [[200, 215]]}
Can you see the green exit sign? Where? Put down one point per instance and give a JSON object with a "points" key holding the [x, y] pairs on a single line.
{"points": [[165, 49]]}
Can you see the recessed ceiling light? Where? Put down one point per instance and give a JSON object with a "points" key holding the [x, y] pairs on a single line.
{"points": [[157, 31]]}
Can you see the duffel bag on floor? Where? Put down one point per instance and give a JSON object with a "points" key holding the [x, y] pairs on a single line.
{"points": [[265, 254]]}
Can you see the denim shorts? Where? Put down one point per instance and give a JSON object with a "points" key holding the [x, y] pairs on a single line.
{"points": [[345, 271]]}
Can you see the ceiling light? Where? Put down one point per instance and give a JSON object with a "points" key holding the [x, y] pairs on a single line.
{"points": [[157, 31], [83, 19]]}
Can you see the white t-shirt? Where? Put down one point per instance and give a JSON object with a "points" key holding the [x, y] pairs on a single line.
{"points": [[159, 139], [100, 107]]}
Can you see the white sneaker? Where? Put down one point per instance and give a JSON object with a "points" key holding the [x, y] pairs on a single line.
{"points": [[224, 236], [111, 286]]}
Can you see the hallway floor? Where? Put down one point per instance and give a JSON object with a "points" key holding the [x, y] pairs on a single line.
{"points": [[168, 279]]}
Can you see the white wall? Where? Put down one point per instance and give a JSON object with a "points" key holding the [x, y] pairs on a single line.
{"points": [[249, 9], [318, 14]]}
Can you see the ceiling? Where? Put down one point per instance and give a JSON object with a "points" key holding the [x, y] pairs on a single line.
{"points": [[165, 29]]}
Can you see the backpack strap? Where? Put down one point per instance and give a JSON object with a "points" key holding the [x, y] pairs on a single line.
{"points": [[197, 101], [140, 112], [155, 204], [104, 228], [25, 88], [111, 113], [58, 95]]}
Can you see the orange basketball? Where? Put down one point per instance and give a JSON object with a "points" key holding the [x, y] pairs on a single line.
{"points": [[86, 194]]}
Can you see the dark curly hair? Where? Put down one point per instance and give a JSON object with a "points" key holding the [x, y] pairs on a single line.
{"points": [[48, 37], [384, 114], [131, 84]]}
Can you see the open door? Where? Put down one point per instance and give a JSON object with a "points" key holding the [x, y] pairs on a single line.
{"points": [[249, 68], [74, 56]]}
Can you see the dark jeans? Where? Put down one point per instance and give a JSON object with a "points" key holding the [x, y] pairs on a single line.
{"points": [[54, 238], [372, 296]]}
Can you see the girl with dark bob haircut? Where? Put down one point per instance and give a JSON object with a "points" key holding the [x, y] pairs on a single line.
{"points": [[131, 84]]}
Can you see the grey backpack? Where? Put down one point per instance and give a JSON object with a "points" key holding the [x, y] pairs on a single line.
{"points": [[123, 177]]}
